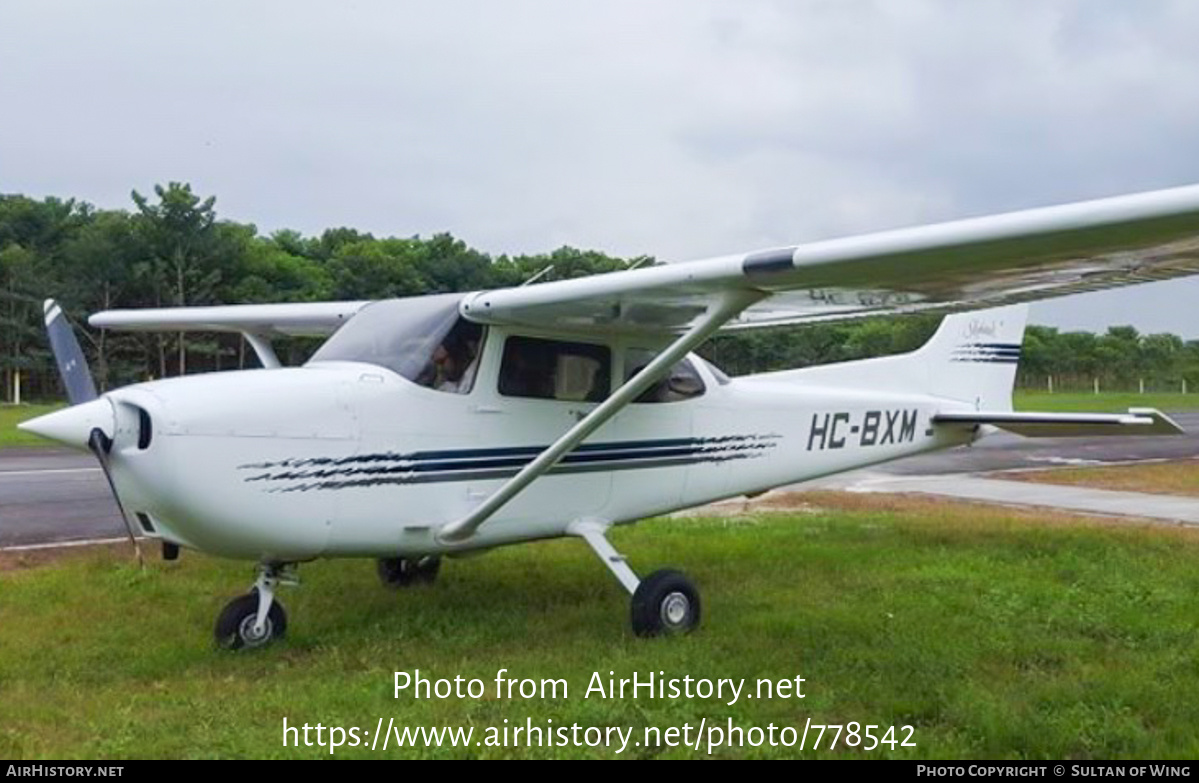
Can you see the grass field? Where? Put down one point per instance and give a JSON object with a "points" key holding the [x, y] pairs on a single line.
{"points": [[995, 633], [1113, 402], [1179, 477], [12, 415]]}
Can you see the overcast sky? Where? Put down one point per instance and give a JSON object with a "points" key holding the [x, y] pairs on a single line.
{"points": [[678, 128]]}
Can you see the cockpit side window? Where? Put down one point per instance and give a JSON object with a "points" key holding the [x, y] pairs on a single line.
{"points": [[555, 370], [683, 382], [423, 339]]}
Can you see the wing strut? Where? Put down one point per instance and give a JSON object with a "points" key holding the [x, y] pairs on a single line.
{"points": [[262, 347], [727, 308]]}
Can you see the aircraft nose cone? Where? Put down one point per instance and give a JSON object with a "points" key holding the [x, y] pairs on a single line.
{"points": [[72, 426]]}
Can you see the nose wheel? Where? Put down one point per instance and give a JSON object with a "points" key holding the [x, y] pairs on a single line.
{"points": [[256, 618]]}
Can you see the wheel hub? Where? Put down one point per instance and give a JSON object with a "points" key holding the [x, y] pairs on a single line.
{"points": [[675, 609], [251, 635]]}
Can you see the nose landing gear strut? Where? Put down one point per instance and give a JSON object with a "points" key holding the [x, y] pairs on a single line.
{"points": [[256, 618]]}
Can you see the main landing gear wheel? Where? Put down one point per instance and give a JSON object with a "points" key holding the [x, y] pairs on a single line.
{"points": [[397, 572], [666, 602], [237, 626]]}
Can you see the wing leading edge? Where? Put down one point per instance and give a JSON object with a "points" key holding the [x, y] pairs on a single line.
{"points": [[266, 320], [963, 265]]}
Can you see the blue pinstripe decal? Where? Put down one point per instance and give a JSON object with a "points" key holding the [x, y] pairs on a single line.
{"points": [[423, 467]]}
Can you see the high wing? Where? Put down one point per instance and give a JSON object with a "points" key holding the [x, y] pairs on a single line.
{"points": [[265, 320], [963, 265]]}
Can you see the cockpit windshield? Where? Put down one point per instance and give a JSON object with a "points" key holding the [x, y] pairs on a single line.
{"points": [[421, 338]]}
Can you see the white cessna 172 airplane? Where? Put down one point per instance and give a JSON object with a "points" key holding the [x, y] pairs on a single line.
{"points": [[446, 424]]}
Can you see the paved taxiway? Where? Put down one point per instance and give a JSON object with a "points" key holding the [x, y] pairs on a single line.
{"points": [[1083, 500], [51, 495]]}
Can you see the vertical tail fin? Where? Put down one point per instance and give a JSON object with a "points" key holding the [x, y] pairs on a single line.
{"points": [[972, 357]]}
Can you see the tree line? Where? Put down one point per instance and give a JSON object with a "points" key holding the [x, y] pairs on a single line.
{"points": [[170, 249], [1122, 359]]}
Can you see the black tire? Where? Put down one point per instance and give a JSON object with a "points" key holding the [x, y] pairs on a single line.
{"points": [[398, 572], [235, 625], [666, 602]]}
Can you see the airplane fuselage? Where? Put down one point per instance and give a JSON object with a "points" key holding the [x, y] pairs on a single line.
{"points": [[346, 459]]}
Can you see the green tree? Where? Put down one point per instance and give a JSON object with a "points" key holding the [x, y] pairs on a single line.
{"points": [[32, 235], [1163, 358], [98, 261], [186, 251], [1118, 355]]}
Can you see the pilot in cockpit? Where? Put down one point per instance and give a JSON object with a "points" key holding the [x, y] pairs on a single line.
{"points": [[454, 362]]}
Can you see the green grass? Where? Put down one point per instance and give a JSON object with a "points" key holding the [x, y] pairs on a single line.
{"points": [[995, 633], [1114, 401], [12, 415]]}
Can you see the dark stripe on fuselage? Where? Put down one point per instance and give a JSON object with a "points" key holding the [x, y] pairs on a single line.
{"points": [[436, 466], [483, 475], [988, 361], [478, 464], [508, 451], [987, 349], [987, 353]]}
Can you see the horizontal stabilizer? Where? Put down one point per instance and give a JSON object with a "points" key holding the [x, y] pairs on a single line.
{"points": [[1138, 421]]}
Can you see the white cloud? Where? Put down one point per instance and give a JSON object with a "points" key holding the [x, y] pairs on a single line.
{"points": [[680, 128]]}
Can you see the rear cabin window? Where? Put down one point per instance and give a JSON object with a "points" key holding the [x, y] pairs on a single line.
{"points": [[555, 370], [683, 382]]}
